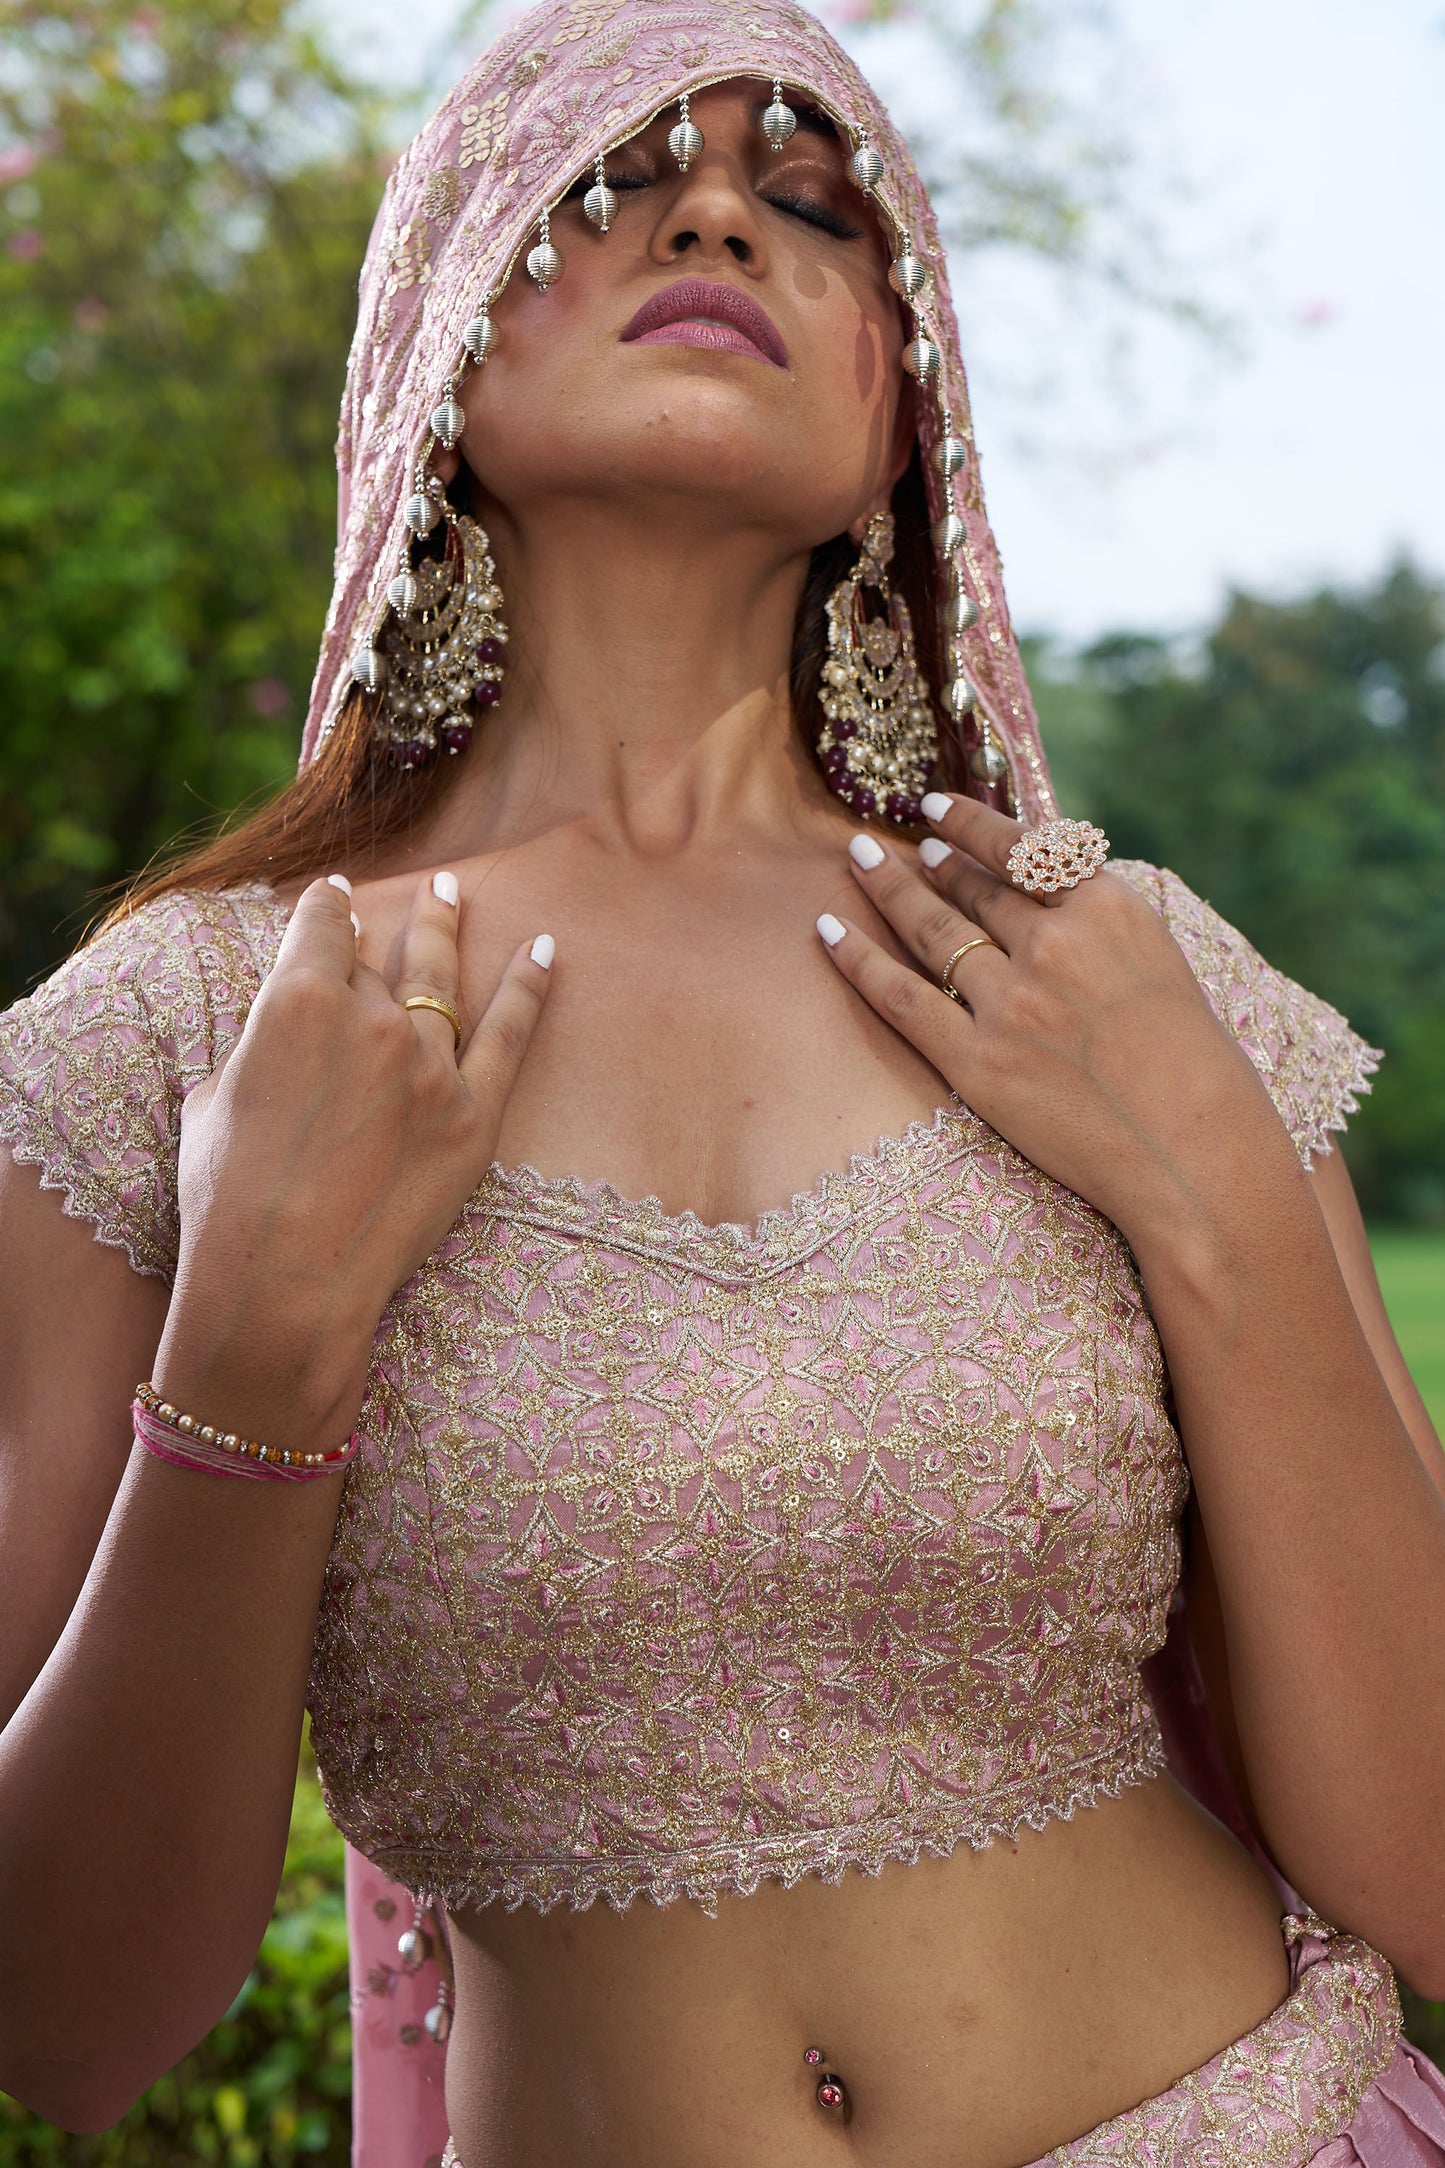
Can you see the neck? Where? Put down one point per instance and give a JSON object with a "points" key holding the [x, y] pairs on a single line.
{"points": [[647, 684]]}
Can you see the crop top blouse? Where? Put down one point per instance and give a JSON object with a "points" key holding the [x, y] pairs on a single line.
{"points": [[676, 1555]]}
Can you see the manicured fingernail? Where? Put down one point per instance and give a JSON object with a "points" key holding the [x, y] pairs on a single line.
{"points": [[444, 887], [935, 804], [543, 949], [933, 850], [832, 929], [339, 880], [356, 925], [865, 852]]}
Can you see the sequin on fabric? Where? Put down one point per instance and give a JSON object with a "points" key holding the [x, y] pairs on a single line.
{"points": [[678, 1556]]}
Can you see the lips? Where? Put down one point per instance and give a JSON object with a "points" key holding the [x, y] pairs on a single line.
{"points": [[710, 314]]}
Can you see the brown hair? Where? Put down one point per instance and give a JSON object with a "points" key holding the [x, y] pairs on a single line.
{"points": [[346, 802]]}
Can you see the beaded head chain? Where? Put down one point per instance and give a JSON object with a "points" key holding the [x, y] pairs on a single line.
{"points": [[466, 210]]}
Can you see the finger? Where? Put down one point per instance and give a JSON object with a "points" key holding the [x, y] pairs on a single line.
{"points": [[429, 962], [321, 932], [928, 923], [980, 830], [495, 1051], [942, 1030]]}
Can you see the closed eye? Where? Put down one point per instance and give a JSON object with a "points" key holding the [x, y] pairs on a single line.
{"points": [[781, 199], [816, 214]]}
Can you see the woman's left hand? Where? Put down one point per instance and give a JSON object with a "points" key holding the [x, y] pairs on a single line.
{"points": [[1085, 1038]]}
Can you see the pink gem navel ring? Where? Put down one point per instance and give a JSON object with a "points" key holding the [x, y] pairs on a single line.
{"points": [[830, 2085]]}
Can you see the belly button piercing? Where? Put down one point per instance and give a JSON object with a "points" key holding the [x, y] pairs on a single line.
{"points": [[830, 2085]]}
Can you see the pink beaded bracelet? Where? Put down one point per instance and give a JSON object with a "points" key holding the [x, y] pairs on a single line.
{"points": [[189, 1443]]}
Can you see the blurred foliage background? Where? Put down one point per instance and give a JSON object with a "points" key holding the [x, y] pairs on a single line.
{"points": [[185, 196]]}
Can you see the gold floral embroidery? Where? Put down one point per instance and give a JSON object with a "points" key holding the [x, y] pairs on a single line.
{"points": [[481, 130], [608, 50], [409, 258], [583, 17], [442, 193], [529, 67]]}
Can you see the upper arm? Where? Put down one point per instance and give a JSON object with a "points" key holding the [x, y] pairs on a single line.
{"points": [[78, 1328], [1335, 1194]]}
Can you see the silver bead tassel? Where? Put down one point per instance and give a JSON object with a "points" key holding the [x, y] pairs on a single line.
{"points": [[779, 121], [599, 205], [685, 141], [480, 335], [544, 262]]}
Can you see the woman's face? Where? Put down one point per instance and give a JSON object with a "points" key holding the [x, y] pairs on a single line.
{"points": [[732, 343]]}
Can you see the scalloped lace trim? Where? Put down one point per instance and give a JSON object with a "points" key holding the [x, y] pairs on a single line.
{"points": [[737, 1869], [777, 1236], [34, 1143], [1344, 1099]]}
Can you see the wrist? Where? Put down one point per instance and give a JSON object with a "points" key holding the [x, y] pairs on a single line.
{"points": [[286, 1375]]}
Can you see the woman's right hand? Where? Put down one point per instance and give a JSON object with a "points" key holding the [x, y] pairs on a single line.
{"points": [[324, 1159]]}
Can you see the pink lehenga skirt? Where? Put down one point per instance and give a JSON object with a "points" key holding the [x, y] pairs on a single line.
{"points": [[1326, 2080]]}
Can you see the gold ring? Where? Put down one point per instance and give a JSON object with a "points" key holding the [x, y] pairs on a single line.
{"points": [[443, 1008], [946, 982]]}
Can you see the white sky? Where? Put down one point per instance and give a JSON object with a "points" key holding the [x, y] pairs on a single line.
{"points": [[1311, 137]]}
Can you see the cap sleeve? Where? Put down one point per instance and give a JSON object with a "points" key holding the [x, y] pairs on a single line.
{"points": [[96, 1063], [1313, 1064]]}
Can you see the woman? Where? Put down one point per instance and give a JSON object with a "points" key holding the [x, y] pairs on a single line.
{"points": [[690, 1544]]}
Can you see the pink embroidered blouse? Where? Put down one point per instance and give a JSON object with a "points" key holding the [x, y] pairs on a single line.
{"points": [[677, 1555]]}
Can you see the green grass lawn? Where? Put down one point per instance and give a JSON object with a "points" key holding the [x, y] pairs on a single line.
{"points": [[1411, 1266]]}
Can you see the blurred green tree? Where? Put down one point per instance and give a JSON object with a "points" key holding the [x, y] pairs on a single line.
{"points": [[185, 195], [1292, 769]]}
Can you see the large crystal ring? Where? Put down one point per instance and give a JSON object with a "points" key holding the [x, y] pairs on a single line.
{"points": [[1057, 854]]}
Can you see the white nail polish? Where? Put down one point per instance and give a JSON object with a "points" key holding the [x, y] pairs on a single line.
{"points": [[356, 925], [935, 804], [832, 929], [543, 949], [444, 887], [933, 850], [865, 852], [339, 880]]}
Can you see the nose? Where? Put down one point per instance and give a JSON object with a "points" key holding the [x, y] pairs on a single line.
{"points": [[712, 215]]}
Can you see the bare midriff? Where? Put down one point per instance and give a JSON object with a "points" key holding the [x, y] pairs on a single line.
{"points": [[980, 2009]]}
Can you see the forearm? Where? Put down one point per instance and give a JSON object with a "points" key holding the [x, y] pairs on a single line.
{"points": [[1327, 1538], [146, 1779]]}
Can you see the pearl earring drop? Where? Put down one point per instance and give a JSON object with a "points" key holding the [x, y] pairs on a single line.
{"points": [[545, 263], [685, 141], [779, 121], [599, 205]]}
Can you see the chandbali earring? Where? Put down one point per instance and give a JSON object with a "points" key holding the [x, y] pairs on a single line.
{"points": [[439, 661], [879, 742]]}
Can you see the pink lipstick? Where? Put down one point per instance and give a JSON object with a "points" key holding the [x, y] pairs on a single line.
{"points": [[707, 313]]}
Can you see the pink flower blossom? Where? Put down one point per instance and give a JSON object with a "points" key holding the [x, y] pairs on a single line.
{"points": [[27, 244], [91, 314], [18, 162]]}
